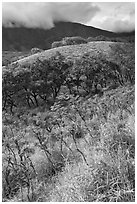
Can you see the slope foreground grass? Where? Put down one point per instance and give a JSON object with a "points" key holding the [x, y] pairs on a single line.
{"points": [[78, 149]]}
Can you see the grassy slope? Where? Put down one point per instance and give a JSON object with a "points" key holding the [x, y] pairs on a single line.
{"points": [[105, 163], [74, 51], [104, 171], [107, 143], [9, 56]]}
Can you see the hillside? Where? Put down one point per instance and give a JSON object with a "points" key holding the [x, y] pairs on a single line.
{"points": [[69, 124], [10, 56], [75, 51], [21, 38]]}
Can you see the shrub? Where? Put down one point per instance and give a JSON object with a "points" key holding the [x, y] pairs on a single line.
{"points": [[32, 85], [91, 39], [126, 59], [83, 152], [18, 170], [98, 38], [35, 50], [94, 70], [73, 40], [56, 44], [69, 41], [112, 39]]}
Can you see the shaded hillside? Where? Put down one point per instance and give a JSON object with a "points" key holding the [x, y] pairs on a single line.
{"points": [[21, 38]]}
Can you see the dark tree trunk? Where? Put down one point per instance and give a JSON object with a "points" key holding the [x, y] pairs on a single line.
{"points": [[36, 101]]}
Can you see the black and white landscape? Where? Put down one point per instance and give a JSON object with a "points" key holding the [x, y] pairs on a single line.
{"points": [[68, 102]]}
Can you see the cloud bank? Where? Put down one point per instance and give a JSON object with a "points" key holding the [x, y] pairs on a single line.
{"points": [[115, 16], [44, 15], [112, 16]]}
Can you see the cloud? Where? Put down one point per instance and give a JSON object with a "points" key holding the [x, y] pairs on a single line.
{"points": [[123, 25], [115, 16], [112, 16], [118, 25], [44, 15]]}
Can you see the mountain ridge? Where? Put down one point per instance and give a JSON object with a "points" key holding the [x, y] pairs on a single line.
{"points": [[22, 38]]}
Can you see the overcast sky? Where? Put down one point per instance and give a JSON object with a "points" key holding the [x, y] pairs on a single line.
{"points": [[117, 17]]}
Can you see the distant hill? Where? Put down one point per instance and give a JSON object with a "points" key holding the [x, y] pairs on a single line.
{"points": [[22, 38]]}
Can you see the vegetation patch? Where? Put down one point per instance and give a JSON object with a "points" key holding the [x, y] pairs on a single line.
{"points": [[68, 128], [69, 41]]}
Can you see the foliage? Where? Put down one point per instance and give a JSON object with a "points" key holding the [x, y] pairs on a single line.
{"points": [[69, 41], [42, 80], [35, 50], [126, 60], [90, 141], [69, 135], [93, 73], [56, 44], [130, 39], [9, 57], [18, 169], [73, 40], [98, 38]]}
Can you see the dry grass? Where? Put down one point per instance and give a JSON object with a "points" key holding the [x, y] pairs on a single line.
{"points": [[100, 166], [82, 151]]}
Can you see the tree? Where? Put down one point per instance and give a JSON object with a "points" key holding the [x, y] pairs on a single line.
{"points": [[29, 84]]}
